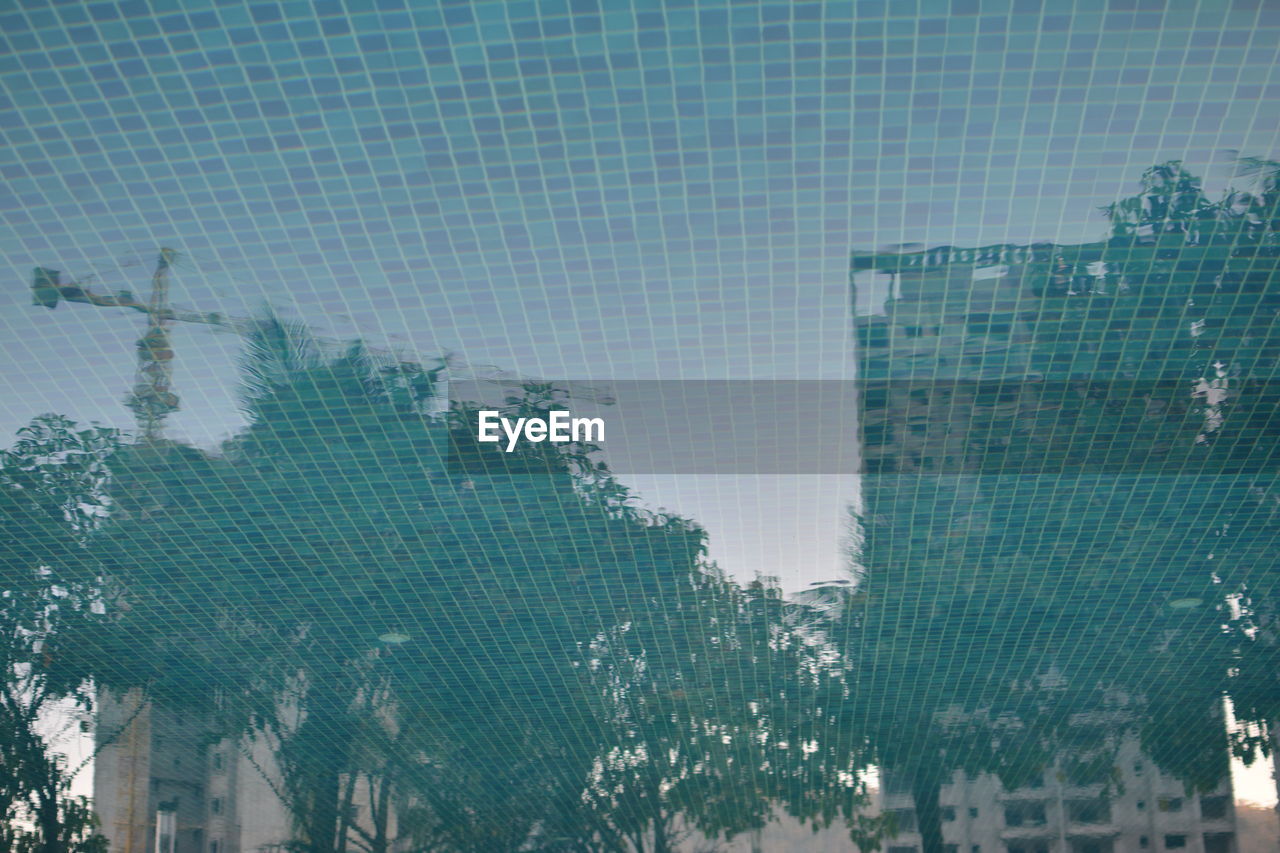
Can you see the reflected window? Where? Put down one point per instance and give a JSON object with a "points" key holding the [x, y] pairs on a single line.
{"points": [[1218, 842], [1170, 804], [1082, 774], [874, 335], [895, 783], [1089, 811], [1215, 808], [166, 829], [1175, 842], [1027, 847], [876, 398], [1091, 845], [875, 435], [989, 324], [1024, 813], [904, 820]]}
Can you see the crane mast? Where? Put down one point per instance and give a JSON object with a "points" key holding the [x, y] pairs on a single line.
{"points": [[153, 399]]}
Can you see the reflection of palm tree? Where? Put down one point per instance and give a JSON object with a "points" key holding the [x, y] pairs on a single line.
{"points": [[1171, 201], [1259, 206], [337, 529]]}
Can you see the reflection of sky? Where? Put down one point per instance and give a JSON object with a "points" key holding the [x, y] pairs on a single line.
{"points": [[577, 188]]}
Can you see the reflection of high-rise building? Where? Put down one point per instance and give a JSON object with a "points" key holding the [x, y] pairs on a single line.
{"points": [[149, 787], [160, 779], [981, 358], [164, 784], [1042, 419], [1065, 811]]}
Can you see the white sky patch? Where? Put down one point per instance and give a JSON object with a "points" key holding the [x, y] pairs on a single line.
{"points": [[1253, 784], [792, 527]]}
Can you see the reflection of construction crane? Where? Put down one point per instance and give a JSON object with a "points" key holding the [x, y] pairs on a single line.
{"points": [[152, 399]]}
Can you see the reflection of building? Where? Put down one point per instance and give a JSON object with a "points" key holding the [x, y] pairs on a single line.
{"points": [[980, 354], [1066, 812], [160, 787], [1031, 411], [149, 790], [165, 785]]}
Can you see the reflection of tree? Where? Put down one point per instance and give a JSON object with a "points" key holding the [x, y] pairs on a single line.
{"points": [[717, 712], [340, 593], [1251, 571], [1255, 210], [1037, 637], [1232, 500], [967, 656], [51, 498], [1171, 201], [510, 654], [402, 618]]}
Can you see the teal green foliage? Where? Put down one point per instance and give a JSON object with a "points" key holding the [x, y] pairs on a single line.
{"points": [[77, 831], [1171, 201], [412, 632], [717, 707], [51, 612]]}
